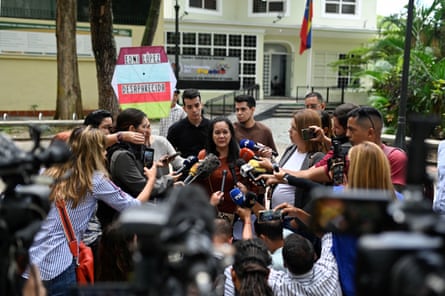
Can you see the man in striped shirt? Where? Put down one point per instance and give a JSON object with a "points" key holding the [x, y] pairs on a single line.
{"points": [[305, 276]]}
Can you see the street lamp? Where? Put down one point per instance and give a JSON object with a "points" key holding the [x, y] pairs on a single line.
{"points": [[401, 123], [177, 41]]}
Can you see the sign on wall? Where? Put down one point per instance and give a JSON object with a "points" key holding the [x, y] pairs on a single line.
{"points": [[40, 39], [207, 72]]}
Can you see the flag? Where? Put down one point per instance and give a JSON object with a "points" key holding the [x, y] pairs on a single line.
{"points": [[306, 28]]}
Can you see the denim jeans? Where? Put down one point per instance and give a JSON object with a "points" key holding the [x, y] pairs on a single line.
{"points": [[61, 285]]}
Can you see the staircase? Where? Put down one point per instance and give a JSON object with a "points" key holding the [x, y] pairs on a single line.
{"points": [[285, 110]]}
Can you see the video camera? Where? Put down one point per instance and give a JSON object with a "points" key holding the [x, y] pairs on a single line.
{"points": [[24, 203], [399, 243], [174, 250]]}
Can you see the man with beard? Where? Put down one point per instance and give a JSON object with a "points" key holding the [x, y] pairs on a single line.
{"points": [[248, 128]]}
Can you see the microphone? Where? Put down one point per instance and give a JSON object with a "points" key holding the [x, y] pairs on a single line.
{"points": [[223, 182], [244, 201], [256, 166], [246, 154], [192, 173], [204, 168], [233, 172], [246, 171], [255, 146], [187, 164]]}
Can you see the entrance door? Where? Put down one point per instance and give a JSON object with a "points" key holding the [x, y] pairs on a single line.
{"points": [[276, 71]]}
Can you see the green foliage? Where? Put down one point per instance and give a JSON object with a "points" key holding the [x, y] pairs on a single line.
{"points": [[382, 61]]}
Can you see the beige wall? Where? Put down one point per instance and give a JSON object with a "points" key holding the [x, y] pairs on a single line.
{"points": [[28, 80]]}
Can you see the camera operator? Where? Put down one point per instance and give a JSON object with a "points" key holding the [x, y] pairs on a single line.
{"points": [[82, 181], [364, 124]]}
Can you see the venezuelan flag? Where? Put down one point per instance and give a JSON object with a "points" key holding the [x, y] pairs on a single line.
{"points": [[306, 28]]}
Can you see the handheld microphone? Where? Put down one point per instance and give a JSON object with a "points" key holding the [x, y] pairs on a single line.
{"points": [[192, 173], [246, 154], [244, 201], [256, 166], [204, 168], [233, 172], [223, 182], [246, 171], [255, 146], [187, 164]]}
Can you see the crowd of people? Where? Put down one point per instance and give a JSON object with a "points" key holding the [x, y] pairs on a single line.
{"points": [[261, 201]]}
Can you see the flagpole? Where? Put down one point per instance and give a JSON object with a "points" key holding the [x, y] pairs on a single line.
{"points": [[309, 71]]}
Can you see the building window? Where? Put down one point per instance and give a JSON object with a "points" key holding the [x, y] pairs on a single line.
{"points": [[134, 14], [266, 6], [342, 7], [206, 44], [345, 74], [203, 4]]}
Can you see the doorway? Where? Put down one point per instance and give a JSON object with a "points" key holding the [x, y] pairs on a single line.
{"points": [[275, 73]]}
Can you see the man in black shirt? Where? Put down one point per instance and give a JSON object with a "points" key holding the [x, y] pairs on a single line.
{"points": [[189, 135]]}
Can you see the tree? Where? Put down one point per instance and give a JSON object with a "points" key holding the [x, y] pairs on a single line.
{"points": [[152, 22], [104, 48], [69, 99], [382, 60]]}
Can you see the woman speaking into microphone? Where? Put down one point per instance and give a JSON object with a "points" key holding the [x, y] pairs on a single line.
{"points": [[222, 143]]}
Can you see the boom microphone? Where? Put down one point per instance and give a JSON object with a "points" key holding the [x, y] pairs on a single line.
{"points": [[245, 143], [204, 168], [187, 164]]}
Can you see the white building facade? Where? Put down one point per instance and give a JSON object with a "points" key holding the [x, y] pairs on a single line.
{"points": [[264, 35]]}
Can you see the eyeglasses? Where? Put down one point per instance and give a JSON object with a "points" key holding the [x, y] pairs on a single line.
{"points": [[364, 112]]}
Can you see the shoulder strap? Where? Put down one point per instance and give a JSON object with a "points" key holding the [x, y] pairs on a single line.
{"points": [[68, 228]]}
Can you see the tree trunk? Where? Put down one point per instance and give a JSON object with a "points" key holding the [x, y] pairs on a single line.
{"points": [[104, 48], [152, 22], [69, 99]]}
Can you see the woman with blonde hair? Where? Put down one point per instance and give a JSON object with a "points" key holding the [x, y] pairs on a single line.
{"points": [[81, 182], [369, 168]]}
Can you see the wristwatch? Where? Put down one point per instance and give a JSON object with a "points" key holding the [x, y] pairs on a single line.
{"points": [[285, 178]]}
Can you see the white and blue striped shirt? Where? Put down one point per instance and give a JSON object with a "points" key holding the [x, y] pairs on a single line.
{"points": [[49, 250]]}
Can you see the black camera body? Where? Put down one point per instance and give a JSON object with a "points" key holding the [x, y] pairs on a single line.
{"points": [[338, 162], [24, 203], [399, 245]]}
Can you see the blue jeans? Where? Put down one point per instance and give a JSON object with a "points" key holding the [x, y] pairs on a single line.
{"points": [[61, 284]]}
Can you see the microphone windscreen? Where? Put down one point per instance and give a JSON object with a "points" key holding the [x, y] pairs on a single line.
{"points": [[246, 143], [256, 166], [237, 196], [208, 165], [194, 169], [246, 154]]}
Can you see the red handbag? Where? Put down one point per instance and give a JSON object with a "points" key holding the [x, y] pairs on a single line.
{"points": [[81, 252]]}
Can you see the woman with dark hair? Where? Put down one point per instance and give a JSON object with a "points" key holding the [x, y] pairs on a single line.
{"points": [[250, 268], [83, 181], [221, 142], [126, 165]]}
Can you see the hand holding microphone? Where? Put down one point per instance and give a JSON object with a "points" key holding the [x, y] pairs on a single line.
{"points": [[243, 200], [246, 143], [247, 171], [203, 168], [187, 164]]}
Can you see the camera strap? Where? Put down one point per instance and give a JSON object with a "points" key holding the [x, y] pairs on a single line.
{"points": [[68, 229]]}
